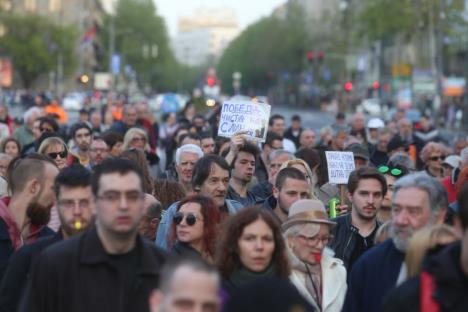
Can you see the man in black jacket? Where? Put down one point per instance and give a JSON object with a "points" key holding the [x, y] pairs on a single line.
{"points": [[108, 268], [354, 232]]}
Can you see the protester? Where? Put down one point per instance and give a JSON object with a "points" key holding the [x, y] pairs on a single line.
{"points": [[294, 132], [379, 155], [187, 285], [391, 175], [138, 158], [82, 138], [57, 150], [318, 276], [444, 273], [418, 200], [98, 151], [290, 186], [355, 232], [24, 134], [273, 142], [433, 155], [210, 178], [250, 247], [302, 166], [11, 146], [307, 139], [168, 192], [358, 129], [25, 215], [185, 159], [207, 143], [150, 221], [276, 125], [242, 156], [106, 261], [95, 120], [114, 142], [72, 189], [129, 120], [276, 158], [195, 227], [372, 134], [138, 139]]}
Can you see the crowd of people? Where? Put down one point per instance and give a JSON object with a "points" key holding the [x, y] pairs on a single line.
{"points": [[119, 211]]}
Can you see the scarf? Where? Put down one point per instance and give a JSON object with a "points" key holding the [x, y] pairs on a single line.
{"points": [[244, 276], [313, 280]]}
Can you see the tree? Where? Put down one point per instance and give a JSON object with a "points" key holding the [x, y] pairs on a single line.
{"points": [[34, 43]]}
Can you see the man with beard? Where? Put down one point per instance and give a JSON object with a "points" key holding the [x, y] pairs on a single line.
{"points": [[290, 186], [24, 216], [355, 232], [210, 178], [110, 267], [242, 171], [418, 200], [82, 138], [98, 151], [73, 193]]}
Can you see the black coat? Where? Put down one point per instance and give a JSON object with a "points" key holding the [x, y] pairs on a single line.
{"points": [[78, 275], [16, 275]]}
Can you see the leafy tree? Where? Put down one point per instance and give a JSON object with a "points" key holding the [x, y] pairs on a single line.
{"points": [[34, 43]]}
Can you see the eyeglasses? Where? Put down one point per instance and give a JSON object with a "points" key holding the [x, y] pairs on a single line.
{"points": [[46, 130], [436, 158], [190, 218], [113, 197], [314, 240], [62, 154], [136, 139], [393, 171]]}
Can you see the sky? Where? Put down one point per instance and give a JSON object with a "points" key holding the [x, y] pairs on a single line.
{"points": [[247, 11]]}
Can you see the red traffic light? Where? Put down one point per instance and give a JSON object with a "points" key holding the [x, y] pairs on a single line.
{"points": [[310, 55], [211, 81], [321, 55], [376, 85], [348, 86]]}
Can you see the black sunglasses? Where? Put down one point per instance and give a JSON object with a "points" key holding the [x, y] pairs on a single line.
{"points": [[61, 154], [190, 218], [436, 158], [396, 172]]}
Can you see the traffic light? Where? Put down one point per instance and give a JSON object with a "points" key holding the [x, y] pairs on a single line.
{"points": [[376, 85], [84, 79], [211, 81], [348, 86], [310, 56], [320, 55]]}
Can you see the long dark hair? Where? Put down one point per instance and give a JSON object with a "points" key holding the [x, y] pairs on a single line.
{"points": [[228, 259], [211, 219]]}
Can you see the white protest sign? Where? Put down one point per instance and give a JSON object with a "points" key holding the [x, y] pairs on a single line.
{"points": [[251, 117], [340, 165]]}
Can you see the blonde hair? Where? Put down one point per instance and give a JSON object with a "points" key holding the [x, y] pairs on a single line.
{"points": [[424, 240], [52, 141], [292, 162], [383, 233], [129, 136]]}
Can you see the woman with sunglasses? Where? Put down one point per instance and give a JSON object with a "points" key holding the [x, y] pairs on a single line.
{"points": [[56, 149], [195, 227], [433, 155], [251, 247]]}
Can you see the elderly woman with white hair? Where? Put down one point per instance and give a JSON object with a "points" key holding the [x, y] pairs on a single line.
{"points": [[138, 138], [318, 276]]}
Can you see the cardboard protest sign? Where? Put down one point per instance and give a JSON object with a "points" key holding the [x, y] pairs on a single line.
{"points": [[340, 165], [251, 117]]}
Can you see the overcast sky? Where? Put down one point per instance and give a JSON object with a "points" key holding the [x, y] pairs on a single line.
{"points": [[247, 11]]}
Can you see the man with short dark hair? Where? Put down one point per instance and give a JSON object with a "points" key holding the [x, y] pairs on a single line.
{"points": [[98, 152], [207, 143], [150, 221], [24, 216], [242, 171], [82, 138], [189, 138], [276, 124], [188, 283], [294, 131], [210, 178], [291, 185], [108, 268], [72, 189], [355, 232]]}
